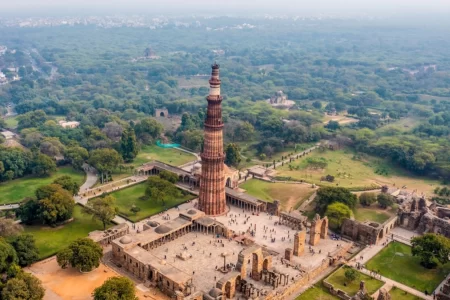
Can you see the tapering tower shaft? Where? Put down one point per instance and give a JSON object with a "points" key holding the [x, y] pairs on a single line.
{"points": [[212, 185]]}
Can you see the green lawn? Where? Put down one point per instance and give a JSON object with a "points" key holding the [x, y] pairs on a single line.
{"points": [[372, 213], [353, 171], [337, 279], [16, 190], [11, 122], [396, 262], [50, 240], [316, 292], [127, 197], [290, 195], [399, 294], [167, 155]]}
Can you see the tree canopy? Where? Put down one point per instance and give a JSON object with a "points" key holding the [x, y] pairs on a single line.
{"points": [[115, 288], [328, 195], [431, 249], [83, 254]]}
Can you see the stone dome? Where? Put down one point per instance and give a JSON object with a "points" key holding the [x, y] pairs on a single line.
{"points": [[126, 240], [152, 224], [215, 292], [191, 212], [162, 229]]}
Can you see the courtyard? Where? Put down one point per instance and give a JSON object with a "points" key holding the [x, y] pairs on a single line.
{"points": [[338, 280], [373, 213], [396, 262]]}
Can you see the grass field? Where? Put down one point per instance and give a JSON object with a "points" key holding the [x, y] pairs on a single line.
{"points": [[355, 173], [15, 190], [316, 292], [11, 122], [337, 279], [127, 197], [171, 156], [372, 213], [290, 195], [399, 294], [50, 240], [396, 262]]}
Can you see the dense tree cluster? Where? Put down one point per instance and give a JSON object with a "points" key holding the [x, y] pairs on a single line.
{"points": [[83, 254]]}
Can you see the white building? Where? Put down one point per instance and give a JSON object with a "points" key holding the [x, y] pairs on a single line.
{"points": [[68, 124]]}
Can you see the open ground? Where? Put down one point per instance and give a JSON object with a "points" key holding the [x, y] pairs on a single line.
{"points": [[290, 195], [70, 284], [316, 292], [398, 294], [397, 263], [16, 190], [373, 213], [355, 173]]}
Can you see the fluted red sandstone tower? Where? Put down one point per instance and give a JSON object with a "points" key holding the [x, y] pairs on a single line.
{"points": [[212, 185]]}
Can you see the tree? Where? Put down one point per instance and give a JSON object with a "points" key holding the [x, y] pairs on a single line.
{"points": [[55, 204], [169, 176], [317, 104], [244, 131], [51, 146], [328, 195], [42, 164], [105, 160], [148, 130], [160, 189], [366, 199], [134, 209], [431, 249], [351, 274], [8, 256], [115, 288], [76, 156], [83, 254], [102, 209], [32, 119], [25, 247], [385, 200], [68, 184], [9, 228], [336, 213], [128, 145], [333, 125], [233, 154], [23, 287]]}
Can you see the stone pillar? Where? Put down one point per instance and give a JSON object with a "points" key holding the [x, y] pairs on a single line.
{"points": [[314, 233], [299, 242], [288, 254]]}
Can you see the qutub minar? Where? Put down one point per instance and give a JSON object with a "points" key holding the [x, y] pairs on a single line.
{"points": [[212, 184]]}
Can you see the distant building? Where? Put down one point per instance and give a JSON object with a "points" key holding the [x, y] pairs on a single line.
{"points": [[278, 98], [68, 124], [8, 134]]}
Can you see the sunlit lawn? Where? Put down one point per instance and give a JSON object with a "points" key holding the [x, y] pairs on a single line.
{"points": [[16, 190], [290, 195], [167, 155], [397, 263], [316, 292], [11, 122], [337, 279], [125, 199], [372, 213], [50, 240], [399, 294], [351, 172]]}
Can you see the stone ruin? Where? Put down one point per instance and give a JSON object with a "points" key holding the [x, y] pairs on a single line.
{"points": [[384, 295], [278, 98], [414, 214], [319, 230]]}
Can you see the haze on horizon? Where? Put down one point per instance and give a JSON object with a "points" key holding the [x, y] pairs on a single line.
{"points": [[221, 7]]}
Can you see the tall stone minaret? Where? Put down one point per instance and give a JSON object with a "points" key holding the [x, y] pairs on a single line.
{"points": [[212, 184]]}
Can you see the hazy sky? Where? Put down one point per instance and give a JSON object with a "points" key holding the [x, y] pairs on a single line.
{"points": [[304, 7]]}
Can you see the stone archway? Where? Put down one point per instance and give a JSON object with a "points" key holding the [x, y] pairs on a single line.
{"points": [[324, 228], [381, 234], [255, 254], [266, 264], [161, 114], [228, 184], [228, 292]]}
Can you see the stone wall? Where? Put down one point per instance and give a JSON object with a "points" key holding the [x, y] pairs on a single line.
{"points": [[367, 232]]}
